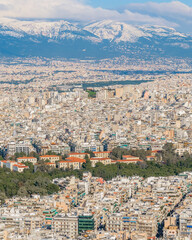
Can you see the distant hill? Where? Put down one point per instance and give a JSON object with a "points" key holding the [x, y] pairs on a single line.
{"points": [[98, 40]]}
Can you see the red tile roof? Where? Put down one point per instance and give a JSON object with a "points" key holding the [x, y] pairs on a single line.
{"points": [[100, 180], [47, 156], [99, 159], [129, 156], [78, 154], [75, 159], [20, 166], [130, 160]]}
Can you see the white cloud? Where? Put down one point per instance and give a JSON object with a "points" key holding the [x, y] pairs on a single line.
{"points": [[174, 11], [72, 10]]}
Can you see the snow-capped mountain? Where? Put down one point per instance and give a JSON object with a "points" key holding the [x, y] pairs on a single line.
{"points": [[160, 31], [52, 30], [122, 32], [97, 40], [116, 31]]}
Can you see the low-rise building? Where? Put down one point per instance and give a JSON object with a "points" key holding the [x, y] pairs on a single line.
{"points": [[103, 160], [63, 164], [51, 164], [51, 158], [71, 162], [13, 166], [79, 155], [19, 167], [32, 160], [128, 161], [104, 154]]}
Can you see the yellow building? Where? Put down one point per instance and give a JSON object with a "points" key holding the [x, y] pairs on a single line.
{"points": [[51, 158], [95, 160], [104, 154]]}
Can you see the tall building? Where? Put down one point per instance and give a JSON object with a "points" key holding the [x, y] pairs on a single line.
{"points": [[86, 222], [19, 147], [11, 148], [186, 224], [114, 222], [67, 224], [147, 224]]}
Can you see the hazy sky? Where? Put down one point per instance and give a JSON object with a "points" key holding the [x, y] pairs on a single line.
{"points": [[176, 14], [118, 3]]}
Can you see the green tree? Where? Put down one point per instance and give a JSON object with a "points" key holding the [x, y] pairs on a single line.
{"points": [[30, 165], [91, 153], [87, 164], [2, 198], [168, 154], [52, 188], [51, 153], [91, 93], [21, 154], [34, 154], [42, 167], [22, 192]]}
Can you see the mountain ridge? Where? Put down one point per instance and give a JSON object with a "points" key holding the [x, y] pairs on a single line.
{"points": [[100, 39]]}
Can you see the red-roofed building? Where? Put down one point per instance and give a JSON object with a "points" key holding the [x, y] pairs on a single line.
{"points": [[75, 159], [7, 164], [19, 167], [53, 165], [100, 180], [154, 152], [113, 161], [3, 163], [71, 162], [63, 164], [79, 155], [33, 160], [95, 160], [13, 166], [51, 158], [126, 157], [104, 154], [128, 161], [151, 158]]}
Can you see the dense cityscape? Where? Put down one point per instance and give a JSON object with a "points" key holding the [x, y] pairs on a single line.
{"points": [[91, 208], [95, 149], [73, 118], [95, 120]]}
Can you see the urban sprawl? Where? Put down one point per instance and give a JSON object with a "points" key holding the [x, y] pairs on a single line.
{"points": [[64, 115]]}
